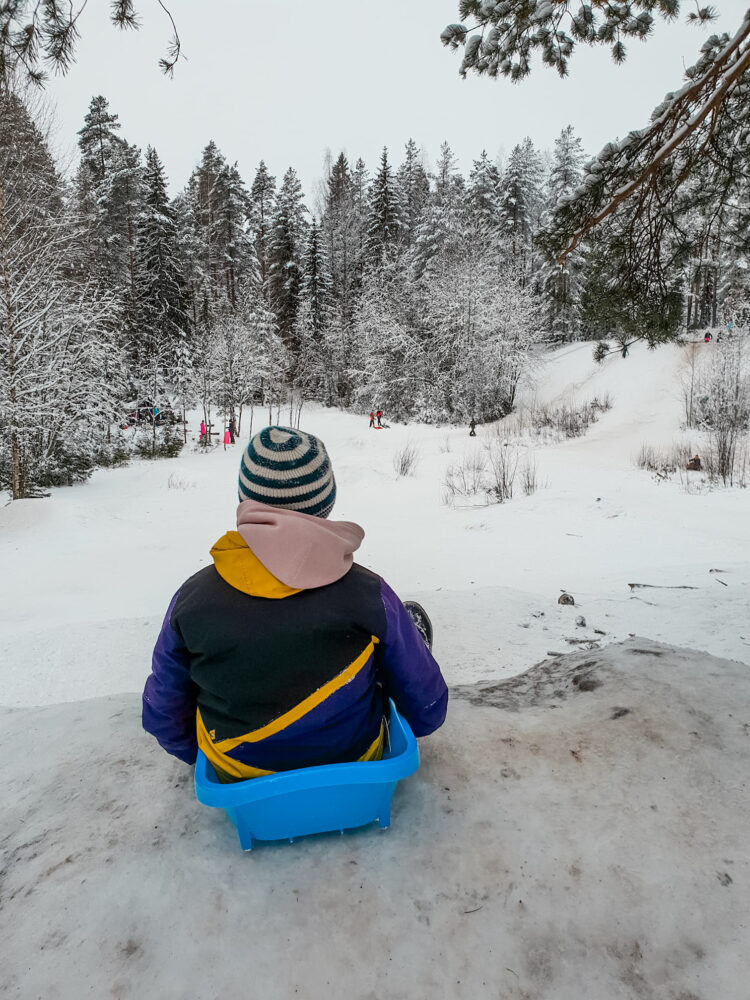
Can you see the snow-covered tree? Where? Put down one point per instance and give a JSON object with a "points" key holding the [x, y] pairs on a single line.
{"points": [[285, 255], [562, 282], [521, 194], [484, 192], [59, 366], [385, 222], [163, 324], [413, 186], [262, 195]]}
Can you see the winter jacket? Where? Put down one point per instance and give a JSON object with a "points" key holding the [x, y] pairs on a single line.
{"points": [[266, 676]]}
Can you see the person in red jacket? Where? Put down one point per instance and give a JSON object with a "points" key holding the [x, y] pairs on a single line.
{"points": [[379, 415], [283, 652], [372, 418]]}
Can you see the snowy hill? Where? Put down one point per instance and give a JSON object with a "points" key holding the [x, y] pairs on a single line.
{"points": [[89, 573], [562, 840]]}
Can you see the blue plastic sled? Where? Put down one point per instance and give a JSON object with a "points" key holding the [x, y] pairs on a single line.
{"points": [[313, 799]]}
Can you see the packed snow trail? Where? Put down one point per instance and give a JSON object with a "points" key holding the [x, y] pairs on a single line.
{"points": [[578, 833]]}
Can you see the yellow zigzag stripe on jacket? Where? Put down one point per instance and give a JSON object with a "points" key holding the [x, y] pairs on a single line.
{"points": [[229, 770], [216, 752]]}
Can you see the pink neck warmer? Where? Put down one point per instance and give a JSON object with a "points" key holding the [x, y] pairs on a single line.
{"points": [[300, 550]]}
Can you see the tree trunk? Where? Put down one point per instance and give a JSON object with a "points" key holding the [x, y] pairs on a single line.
{"points": [[17, 485]]}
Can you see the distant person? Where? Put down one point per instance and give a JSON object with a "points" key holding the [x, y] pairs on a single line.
{"points": [[231, 431], [706, 337], [227, 438], [202, 438], [372, 418], [282, 653], [694, 465], [379, 415], [472, 428]]}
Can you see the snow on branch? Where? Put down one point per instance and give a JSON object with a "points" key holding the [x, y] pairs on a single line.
{"points": [[666, 152]]}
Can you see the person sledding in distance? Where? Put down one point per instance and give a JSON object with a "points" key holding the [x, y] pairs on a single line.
{"points": [[379, 415], [372, 418], [282, 653]]}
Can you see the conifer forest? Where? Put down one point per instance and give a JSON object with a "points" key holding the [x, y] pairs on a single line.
{"points": [[397, 285]]}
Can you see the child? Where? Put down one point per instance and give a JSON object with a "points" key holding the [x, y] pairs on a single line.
{"points": [[282, 654]]}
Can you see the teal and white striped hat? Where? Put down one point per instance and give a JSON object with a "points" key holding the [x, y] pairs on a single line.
{"points": [[288, 468]]}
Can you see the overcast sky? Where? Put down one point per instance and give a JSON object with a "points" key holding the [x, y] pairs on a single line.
{"points": [[285, 81]]}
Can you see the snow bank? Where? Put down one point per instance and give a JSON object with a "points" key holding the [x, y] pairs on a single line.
{"points": [[578, 832]]}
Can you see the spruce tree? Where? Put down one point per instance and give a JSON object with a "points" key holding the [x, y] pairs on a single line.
{"points": [[413, 188], [340, 233], [262, 196], [562, 283], [483, 192], [520, 194], [384, 223], [285, 255], [162, 312]]}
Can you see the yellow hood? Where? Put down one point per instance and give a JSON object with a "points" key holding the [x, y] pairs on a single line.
{"points": [[241, 568]]}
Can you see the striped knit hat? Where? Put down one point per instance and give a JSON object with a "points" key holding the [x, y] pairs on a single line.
{"points": [[288, 468]]}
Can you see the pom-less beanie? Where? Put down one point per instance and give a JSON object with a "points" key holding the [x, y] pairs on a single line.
{"points": [[288, 468]]}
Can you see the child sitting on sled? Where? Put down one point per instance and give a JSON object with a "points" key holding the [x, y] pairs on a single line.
{"points": [[282, 654]]}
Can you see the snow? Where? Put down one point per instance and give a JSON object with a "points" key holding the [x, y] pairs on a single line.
{"points": [[88, 574], [578, 835], [546, 848]]}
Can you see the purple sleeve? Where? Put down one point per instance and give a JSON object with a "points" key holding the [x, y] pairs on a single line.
{"points": [[170, 696], [410, 674]]}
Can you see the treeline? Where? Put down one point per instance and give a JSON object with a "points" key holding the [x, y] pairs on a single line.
{"points": [[419, 291]]}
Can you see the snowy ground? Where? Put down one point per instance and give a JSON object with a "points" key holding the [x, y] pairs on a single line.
{"points": [[579, 833], [88, 574], [550, 848]]}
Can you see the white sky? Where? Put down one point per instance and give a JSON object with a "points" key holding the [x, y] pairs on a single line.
{"points": [[284, 81]]}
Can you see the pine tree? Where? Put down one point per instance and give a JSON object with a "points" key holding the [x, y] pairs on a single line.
{"points": [[314, 374], [360, 204], [340, 233], [163, 320], [105, 185], [562, 283], [262, 195], [448, 182], [385, 223], [567, 166], [483, 193], [235, 242], [285, 253], [413, 188], [444, 218], [520, 194], [315, 287], [98, 140]]}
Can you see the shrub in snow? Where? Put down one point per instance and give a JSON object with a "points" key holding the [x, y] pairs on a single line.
{"points": [[665, 461], [555, 424], [112, 453], [502, 467], [465, 478], [529, 476], [165, 442], [405, 460]]}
